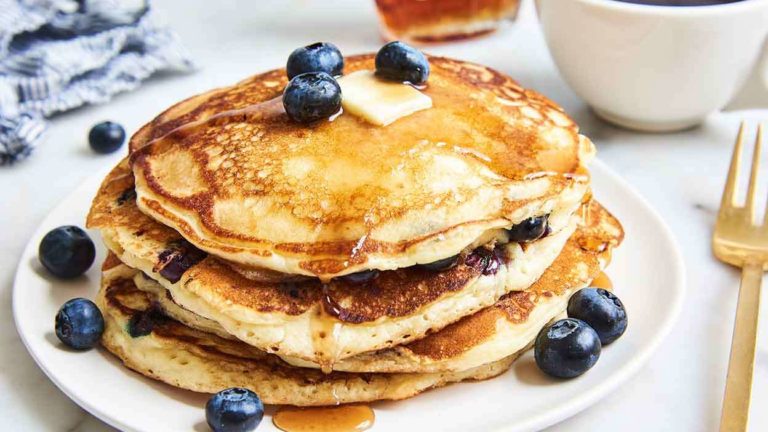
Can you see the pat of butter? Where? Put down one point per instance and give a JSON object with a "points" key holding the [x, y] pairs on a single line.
{"points": [[379, 101]]}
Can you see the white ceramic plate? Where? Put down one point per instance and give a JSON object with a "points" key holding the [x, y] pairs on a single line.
{"points": [[647, 272]]}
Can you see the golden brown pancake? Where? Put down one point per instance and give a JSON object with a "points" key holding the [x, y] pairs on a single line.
{"points": [[166, 350], [307, 319], [231, 173], [488, 335]]}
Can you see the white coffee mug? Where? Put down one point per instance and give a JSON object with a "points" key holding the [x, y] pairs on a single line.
{"points": [[655, 68]]}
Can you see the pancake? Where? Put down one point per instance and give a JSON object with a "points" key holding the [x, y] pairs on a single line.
{"points": [[309, 320], [231, 173], [488, 335], [166, 350]]}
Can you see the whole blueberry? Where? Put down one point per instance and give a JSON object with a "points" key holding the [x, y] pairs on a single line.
{"points": [[602, 310], [66, 251], [318, 57], [397, 61], [234, 410], [106, 137], [360, 277], [79, 324], [567, 348], [528, 230], [441, 265], [312, 96]]}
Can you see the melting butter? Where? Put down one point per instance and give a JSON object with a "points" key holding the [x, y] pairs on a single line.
{"points": [[379, 101]]}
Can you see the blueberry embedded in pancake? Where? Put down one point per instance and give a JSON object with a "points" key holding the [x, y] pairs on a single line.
{"points": [[142, 322], [486, 261], [442, 264], [360, 277], [127, 195], [177, 258], [529, 230]]}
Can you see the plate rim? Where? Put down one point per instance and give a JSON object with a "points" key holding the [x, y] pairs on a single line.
{"points": [[536, 422]]}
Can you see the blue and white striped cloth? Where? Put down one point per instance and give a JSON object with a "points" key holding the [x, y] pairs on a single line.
{"points": [[56, 55]]}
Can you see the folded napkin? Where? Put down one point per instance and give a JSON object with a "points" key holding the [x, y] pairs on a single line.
{"points": [[56, 55]]}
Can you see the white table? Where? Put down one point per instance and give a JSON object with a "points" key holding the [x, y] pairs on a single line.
{"points": [[681, 174]]}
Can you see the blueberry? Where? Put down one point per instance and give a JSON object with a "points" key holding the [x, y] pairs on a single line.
{"points": [[106, 137], [318, 57], [142, 323], [177, 259], [602, 310], [441, 265], [128, 195], [66, 251], [79, 324], [360, 277], [312, 96], [567, 348], [400, 62], [528, 230], [486, 260], [234, 410]]}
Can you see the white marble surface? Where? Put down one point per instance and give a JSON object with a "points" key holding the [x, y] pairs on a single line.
{"points": [[680, 174]]}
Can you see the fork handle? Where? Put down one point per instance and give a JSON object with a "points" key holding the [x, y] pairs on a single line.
{"points": [[738, 385]]}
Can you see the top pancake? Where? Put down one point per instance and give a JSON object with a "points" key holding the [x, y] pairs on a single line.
{"points": [[231, 173]]}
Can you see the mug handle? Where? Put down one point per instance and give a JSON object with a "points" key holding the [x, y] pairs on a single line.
{"points": [[754, 92]]}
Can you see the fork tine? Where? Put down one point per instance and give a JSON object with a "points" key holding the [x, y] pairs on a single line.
{"points": [[758, 145], [733, 173], [753, 175]]}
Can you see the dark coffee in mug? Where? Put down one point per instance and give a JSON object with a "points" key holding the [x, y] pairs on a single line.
{"points": [[681, 2]]}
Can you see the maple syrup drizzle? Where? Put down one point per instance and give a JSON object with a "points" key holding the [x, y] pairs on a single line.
{"points": [[437, 124], [586, 213], [592, 244], [341, 418], [271, 108], [581, 176], [602, 281], [325, 332]]}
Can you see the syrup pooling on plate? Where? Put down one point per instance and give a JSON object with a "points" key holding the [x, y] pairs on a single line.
{"points": [[347, 180], [343, 418]]}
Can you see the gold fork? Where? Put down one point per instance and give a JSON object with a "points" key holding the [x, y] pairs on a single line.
{"points": [[742, 241]]}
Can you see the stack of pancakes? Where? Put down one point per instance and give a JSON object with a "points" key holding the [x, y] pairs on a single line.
{"points": [[340, 261]]}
